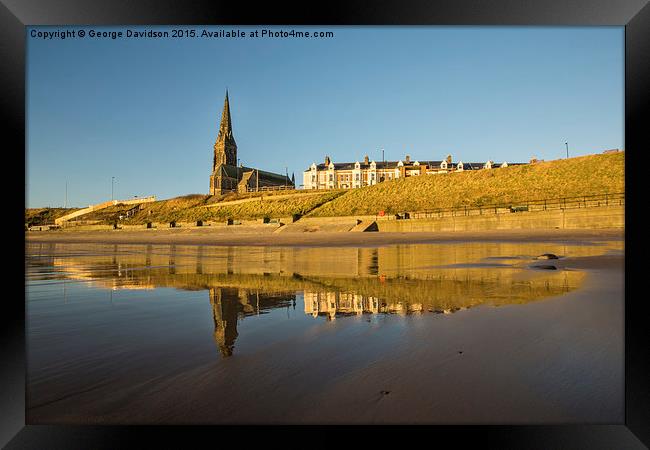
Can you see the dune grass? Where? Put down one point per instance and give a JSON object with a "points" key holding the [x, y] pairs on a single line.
{"points": [[191, 208], [587, 175], [45, 216], [269, 207]]}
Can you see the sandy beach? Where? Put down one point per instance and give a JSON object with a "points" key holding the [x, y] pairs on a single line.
{"points": [[555, 360], [265, 237]]}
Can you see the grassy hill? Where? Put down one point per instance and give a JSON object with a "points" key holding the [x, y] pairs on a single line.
{"points": [[190, 208], [593, 174], [43, 216]]}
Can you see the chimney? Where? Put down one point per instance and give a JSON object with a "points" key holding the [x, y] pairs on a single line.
{"points": [[407, 159], [366, 160], [327, 160], [448, 159]]}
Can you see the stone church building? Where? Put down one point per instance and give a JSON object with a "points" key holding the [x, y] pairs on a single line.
{"points": [[228, 176]]}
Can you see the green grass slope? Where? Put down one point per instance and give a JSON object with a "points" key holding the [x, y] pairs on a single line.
{"points": [[194, 207], [587, 175], [45, 216]]}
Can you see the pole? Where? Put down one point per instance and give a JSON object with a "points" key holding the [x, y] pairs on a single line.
{"points": [[66, 194], [567, 149], [112, 180]]}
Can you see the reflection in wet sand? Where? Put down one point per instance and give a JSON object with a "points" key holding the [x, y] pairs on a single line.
{"points": [[158, 334], [413, 260], [334, 282], [228, 304]]}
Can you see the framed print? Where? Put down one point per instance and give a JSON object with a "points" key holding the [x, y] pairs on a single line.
{"points": [[370, 215]]}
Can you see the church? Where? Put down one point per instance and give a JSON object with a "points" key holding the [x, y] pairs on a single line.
{"points": [[229, 176]]}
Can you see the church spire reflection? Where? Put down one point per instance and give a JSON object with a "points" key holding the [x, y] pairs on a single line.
{"points": [[229, 305], [224, 312]]}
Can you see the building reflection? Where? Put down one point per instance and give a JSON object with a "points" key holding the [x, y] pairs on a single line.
{"points": [[334, 304], [334, 282], [229, 305]]}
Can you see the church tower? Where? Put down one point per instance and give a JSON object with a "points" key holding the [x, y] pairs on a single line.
{"points": [[225, 148], [227, 176], [225, 173]]}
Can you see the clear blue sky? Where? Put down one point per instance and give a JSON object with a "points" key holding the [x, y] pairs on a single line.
{"points": [[147, 111]]}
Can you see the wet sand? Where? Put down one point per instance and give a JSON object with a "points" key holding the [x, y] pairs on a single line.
{"points": [[262, 236], [558, 360]]}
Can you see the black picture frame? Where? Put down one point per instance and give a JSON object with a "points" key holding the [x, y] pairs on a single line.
{"points": [[15, 15]]}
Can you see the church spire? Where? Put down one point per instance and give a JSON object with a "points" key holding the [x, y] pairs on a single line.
{"points": [[225, 129], [225, 148]]}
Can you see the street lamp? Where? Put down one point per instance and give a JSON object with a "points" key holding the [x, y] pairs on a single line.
{"points": [[112, 182], [567, 149]]}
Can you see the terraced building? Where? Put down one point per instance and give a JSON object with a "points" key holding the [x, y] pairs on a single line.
{"points": [[331, 175]]}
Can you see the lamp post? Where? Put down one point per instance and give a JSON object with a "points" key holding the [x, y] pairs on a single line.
{"points": [[112, 182], [567, 149]]}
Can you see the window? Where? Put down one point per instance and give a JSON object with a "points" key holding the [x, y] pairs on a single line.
{"points": [[356, 177], [331, 177]]}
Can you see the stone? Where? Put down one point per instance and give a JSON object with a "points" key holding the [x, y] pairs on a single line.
{"points": [[547, 256]]}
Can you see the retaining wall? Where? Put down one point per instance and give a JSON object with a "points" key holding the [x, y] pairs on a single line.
{"points": [[328, 224], [590, 218]]}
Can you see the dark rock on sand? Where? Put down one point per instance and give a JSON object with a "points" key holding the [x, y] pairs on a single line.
{"points": [[547, 256]]}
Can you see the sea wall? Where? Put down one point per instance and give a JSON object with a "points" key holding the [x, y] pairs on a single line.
{"points": [[578, 218]]}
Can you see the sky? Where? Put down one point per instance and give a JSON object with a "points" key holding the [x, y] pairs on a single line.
{"points": [[146, 111]]}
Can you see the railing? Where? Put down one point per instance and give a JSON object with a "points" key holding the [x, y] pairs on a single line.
{"points": [[328, 188], [585, 201], [270, 188]]}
